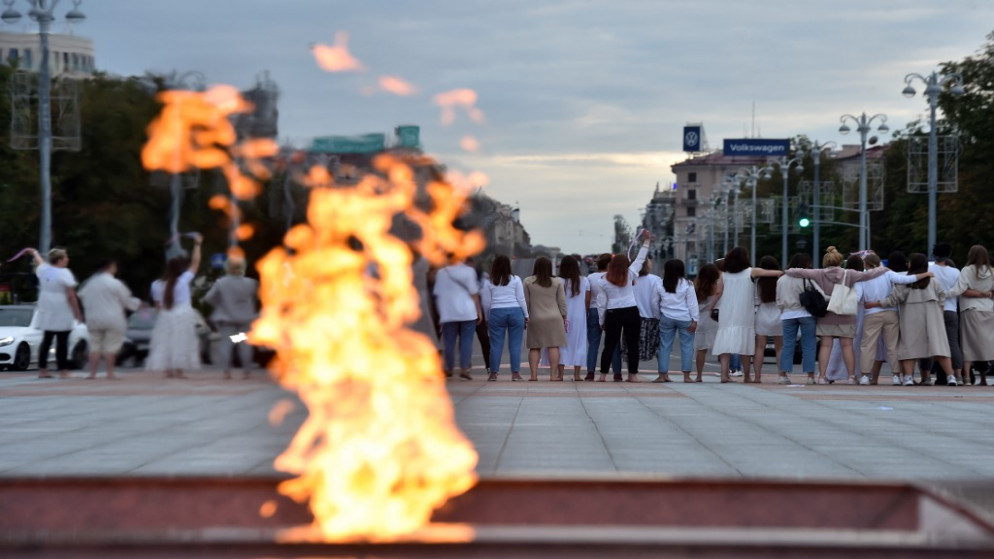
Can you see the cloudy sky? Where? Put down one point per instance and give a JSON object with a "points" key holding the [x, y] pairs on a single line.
{"points": [[584, 100]]}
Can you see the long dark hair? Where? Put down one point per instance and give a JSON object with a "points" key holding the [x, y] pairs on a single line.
{"points": [[673, 272], [617, 270], [500, 270], [736, 260], [801, 260], [174, 269], [767, 286], [543, 271], [569, 270], [707, 279], [918, 264], [897, 262], [855, 262]]}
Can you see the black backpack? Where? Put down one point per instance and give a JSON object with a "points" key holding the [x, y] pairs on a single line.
{"points": [[813, 301]]}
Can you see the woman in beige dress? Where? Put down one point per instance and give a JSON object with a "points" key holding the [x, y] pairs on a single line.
{"points": [[546, 301], [923, 328], [976, 310]]}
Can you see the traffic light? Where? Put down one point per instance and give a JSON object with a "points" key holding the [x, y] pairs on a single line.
{"points": [[803, 215]]}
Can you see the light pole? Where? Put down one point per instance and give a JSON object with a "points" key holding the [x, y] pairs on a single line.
{"points": [[785, 164], [863, 127], [42, 11], [933, 86], [816, 151], [752, 175]]}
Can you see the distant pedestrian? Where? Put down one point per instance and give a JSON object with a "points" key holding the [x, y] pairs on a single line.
{"points": [[706, 286], [577, 287], [678, 316], [174, 346], [975, 288], [57, 307], [503, 300], [234, 297], [647, 289], [546, 301], [594, 331], [106, 301], [457, 297], [796, 322], [482, 328], [621, 313], [768, 323]]}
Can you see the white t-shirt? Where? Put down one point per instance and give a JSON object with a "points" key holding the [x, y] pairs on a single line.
{"points": [[880, 287], [681, 305], [454, 289], [181, 291], [947, 276], [503, 296], [54, 312], [647, 290]]}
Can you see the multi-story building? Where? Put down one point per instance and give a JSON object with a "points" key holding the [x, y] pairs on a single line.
{"points": [[69, 55]]}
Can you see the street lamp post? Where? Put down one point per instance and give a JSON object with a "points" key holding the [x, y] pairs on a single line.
{"points": [[863, 127], [817, 150], [752, 175], [42, 11], [933, 86], [785, 164]]}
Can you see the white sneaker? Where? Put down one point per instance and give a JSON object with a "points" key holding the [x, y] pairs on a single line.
{"points": [[735, 373], [951, 380], [909, 381], [864, 380], [896, 380]]}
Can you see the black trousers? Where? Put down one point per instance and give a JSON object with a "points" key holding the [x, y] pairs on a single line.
{"points": [[61, 349], [617, 322], [483, 334]]}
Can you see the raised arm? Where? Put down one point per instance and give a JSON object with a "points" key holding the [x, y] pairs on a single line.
{"points": [[643, 253], [195, 255]]}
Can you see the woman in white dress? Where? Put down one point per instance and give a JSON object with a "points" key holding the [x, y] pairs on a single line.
{"points": [[174, 346], [57, 306], [736, 317], [706, 287], [574, 353], [768, 324]]}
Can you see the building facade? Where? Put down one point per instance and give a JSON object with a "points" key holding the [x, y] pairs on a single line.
{"points": [[70, 55]]}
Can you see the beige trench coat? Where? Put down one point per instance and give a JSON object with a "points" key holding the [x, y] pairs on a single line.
{"points": [[923, 331]]}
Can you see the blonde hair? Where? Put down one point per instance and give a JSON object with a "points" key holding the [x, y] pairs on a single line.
{"points": [[56, 255], [235, 266], [832, 258]]}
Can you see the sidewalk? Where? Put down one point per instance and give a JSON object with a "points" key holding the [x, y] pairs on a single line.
{"points": [[146, 425]]}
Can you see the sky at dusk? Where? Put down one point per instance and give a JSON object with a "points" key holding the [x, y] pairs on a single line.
{"points": [[584, 100]]}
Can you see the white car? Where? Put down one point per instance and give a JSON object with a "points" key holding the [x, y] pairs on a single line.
{"points": [[20, 339]]}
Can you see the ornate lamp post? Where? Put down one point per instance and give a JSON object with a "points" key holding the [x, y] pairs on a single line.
{"points": [[933, 86], [863, 127], [42, 11], [752, 175], [785, 164], [816, 151]]}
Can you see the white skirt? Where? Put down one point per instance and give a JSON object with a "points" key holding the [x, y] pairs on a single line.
{"points": [[174, 343]]}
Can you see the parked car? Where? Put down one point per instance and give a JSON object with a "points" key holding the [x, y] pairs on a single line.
{"points": [[20, 339], [139, 335]]}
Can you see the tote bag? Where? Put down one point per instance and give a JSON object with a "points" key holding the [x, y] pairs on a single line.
{"points": [[844, 299]]}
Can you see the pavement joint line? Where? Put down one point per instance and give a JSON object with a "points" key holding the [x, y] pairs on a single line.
{"points": [[507, 436], [600, 435]]}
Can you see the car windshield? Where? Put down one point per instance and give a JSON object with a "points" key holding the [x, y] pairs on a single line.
{"points": [[16, 317], [142, 319]]}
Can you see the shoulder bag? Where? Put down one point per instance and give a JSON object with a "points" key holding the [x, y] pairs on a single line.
{"points": [[844, 300], [813, 300]]}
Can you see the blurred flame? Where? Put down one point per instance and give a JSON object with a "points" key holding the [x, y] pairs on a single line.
{"points": [[337, 57], [379, 450], [280, 410], [397, 86], [463, 98], [470, 144], [268, 509]]}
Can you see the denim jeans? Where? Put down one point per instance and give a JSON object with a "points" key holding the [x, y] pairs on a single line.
{"points": [[735, 362], [809, 344], [512, 321], [668, 330], [465, 330], [594, 344]]}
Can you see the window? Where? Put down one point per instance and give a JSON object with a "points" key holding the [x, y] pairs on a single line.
{"points": [[65, 61], [692, 194], [13, 55], [27, 59], [691, 177], [75, 62], [692, 211]]}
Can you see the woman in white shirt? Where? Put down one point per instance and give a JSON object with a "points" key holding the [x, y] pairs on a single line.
{"points": [[57, 306], [621, 313], [679, 312], [503, 301], [647, 289], [174, 346]]}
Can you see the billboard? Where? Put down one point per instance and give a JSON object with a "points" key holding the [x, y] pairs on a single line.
{"points": [[692, 138], [757, 147], [366, 143]]}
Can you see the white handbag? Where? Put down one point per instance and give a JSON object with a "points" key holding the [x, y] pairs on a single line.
{"points": [[844, 300]]}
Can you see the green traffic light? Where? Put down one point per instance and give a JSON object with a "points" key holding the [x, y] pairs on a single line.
{"points": [[804, 222]]}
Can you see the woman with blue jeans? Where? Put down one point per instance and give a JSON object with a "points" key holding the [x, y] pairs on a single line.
{"points": [[457, 297], [503, 300], [795, 317], [678, 314]]}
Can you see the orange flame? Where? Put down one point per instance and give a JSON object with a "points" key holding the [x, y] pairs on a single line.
{"points": [[379, 450], [463, 98], [397, 86], [337, 58]]}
